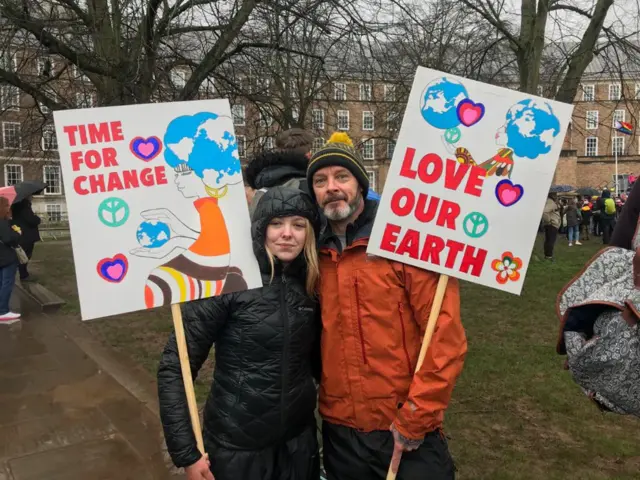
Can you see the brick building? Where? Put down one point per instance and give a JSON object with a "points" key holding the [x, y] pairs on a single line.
{"points": [[591, 144]]}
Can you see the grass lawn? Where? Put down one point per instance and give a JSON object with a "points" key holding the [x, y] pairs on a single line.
{"points": [[516, 414]]}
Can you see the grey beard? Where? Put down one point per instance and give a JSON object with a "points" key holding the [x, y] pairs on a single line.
{"points": [[339, 214]]}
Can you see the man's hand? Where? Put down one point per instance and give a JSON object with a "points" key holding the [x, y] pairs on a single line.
{"points": [[401, 444], [200, 470]]}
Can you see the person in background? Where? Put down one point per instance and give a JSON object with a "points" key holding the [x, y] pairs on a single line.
{"points": [[296, 140], [586, 219], [551, 222], [595, 209], [573, 222], [28, 221], [374, 314], [9, 239], [259, 421], [607, 207]]}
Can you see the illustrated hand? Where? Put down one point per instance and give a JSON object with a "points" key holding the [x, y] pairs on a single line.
{"points": [[181, 243], [401, 444], [200, 470], [178, 229]]}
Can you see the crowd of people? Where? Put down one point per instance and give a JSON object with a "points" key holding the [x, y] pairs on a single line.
{"points": [[326, 303], [580, 217]]}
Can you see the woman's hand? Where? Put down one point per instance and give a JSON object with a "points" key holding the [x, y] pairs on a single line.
{"points": [[181, 243], [200, 470]]}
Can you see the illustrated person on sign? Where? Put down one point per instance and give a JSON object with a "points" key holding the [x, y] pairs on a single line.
{"points": [[259, 419], [205, 160], [374, 315]]}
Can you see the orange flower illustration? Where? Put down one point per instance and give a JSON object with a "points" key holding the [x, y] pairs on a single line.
{"points": [[507, 267]]}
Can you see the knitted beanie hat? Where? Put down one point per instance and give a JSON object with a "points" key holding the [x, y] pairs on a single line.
{"points": [[339, 150]]}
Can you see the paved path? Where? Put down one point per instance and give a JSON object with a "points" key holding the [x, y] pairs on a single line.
{"points": [[62, 417]]}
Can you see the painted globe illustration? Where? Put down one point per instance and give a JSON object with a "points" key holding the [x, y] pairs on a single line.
{"points": [[153, 234], [440, 103], [531, 128]]}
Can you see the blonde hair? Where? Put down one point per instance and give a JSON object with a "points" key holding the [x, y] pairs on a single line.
{"points": [[310, 256]]}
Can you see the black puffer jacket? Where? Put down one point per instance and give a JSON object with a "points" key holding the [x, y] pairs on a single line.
{"points": [[263, 391]]}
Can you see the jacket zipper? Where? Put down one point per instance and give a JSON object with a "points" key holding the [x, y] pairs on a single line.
{"points": [[364, 354], [404, 337], [285, 354]]}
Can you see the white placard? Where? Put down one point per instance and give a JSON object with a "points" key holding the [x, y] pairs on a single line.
{"points": [[469, 179], [156, 205]]}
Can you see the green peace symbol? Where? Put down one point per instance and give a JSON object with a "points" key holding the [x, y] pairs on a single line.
{"points": [[452, 135], [113, 212], [475, 225]]}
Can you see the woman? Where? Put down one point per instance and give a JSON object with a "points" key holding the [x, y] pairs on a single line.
{"points": [[259, 419], [24, 217], [573, 222], [9, 239], [551, 222]]}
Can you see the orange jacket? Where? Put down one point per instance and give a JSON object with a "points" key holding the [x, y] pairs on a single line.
{"points": [[374, 315]]}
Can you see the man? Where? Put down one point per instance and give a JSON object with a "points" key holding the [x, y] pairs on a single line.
{"points": [[286, 166], [374, 315]]}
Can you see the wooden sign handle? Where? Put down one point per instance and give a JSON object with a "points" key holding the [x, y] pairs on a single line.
{"points": [[185, 366], [428, 334]]}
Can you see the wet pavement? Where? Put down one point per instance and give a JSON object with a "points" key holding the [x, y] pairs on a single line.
{"points": [[63, 417]]}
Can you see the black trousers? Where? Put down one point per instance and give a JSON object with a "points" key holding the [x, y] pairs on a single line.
{"points": [[353, 455], [28, 249], [550, 236], [606, 227], [296, 459]]}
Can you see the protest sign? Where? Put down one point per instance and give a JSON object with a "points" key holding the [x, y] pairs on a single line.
{"points": [[156, 204], [469, 179]]}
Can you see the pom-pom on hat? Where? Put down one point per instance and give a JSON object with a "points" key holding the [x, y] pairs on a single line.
{"points": [[339, 151]]}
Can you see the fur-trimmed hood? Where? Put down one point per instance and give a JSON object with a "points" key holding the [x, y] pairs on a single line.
{"points": [[270, 169]]}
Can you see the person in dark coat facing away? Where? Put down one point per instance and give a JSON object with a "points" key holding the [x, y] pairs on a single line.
{"points": [[259, 421], [9, 239], [28, 221]]}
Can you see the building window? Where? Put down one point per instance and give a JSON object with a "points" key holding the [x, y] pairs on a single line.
{"points": [[343, 119], [392, 121], [391, 146], [10, 97], [365, 92], [241, 141], [51, 176], [591, 147], [318, 91], [266, 143], [617, 146], [368, 149], [54, 212], [622, 182], [12, 174], [11, 135], [367, 120], [372, 180], [592, 119], [237, 112], [45, 67], [84, 100], [77, 74], [588, 93], [295, 114], [179, 78], [49, 140], [340, 91], [637, 91], [389, 93], [618, 116], [317, 119], [266, 120], [318, 143], [9, 61], [540, 90], [614, 91]]}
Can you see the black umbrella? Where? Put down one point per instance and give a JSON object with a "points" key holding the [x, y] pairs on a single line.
{"points": [[561, 188], [27, 188], [590, 191]]}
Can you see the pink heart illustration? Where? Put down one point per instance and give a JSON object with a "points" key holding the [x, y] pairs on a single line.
{"points": [[470, 113], [507, 193], [146, 149], [115, 271]]}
